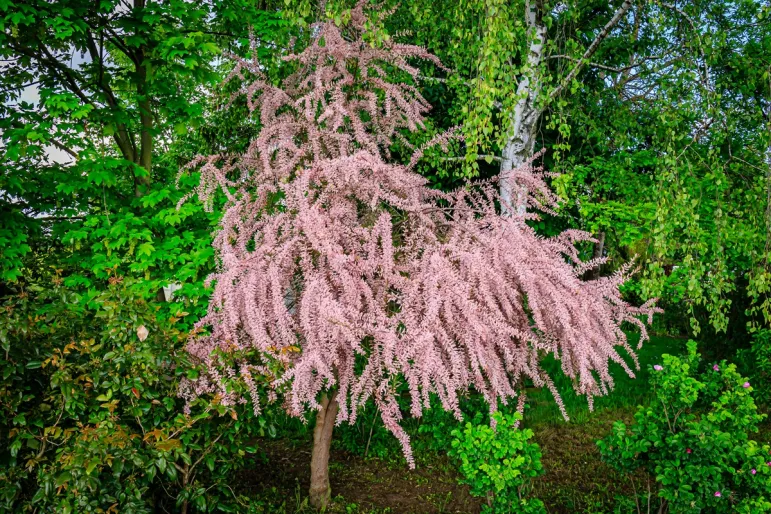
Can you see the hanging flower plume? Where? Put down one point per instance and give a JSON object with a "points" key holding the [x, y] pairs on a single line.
{"points": [[340, 269]]}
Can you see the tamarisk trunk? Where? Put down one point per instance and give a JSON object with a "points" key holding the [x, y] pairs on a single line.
{"points": [[320, 491]]}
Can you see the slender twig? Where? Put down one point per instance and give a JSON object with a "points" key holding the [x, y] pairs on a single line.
{"points": [[593, 64], [207, 451], [366, 450], [60, 218], [479, 158], [63, 147], [698, 38], [20, 86]]}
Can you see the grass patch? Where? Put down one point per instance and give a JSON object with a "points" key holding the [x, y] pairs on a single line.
{"points": [[627, 393]]}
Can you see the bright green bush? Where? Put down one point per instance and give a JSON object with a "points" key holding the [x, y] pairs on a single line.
{"points": [[90, 420], [499, 463], [694, 441]]}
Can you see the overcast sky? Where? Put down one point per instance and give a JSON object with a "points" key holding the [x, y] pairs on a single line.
{"points": [[31, 94]]}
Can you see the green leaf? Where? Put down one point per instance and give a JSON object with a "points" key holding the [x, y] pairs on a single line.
{"points": [[62, 478]]}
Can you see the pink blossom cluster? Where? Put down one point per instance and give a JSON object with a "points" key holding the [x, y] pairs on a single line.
{"points": [[339, 268]]}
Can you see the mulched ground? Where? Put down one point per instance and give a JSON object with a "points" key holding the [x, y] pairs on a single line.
{"points": [[576, 480], [283, 474]]}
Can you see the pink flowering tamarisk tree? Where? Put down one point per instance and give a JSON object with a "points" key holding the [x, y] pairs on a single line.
{"points": [[342, 274]]}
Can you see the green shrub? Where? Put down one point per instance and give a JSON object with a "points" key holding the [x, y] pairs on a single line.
{"points": [[499, 464], [90, 420], [368, 437], [694, 441]]}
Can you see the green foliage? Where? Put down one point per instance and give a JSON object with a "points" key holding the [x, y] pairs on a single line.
{"points": [[760, 364], [670, 161], [14, 242], [628, 392], [90, 417], [88, 167], [367, 437], [694, 440], [499, 463], [430, 434], [91, 145], [79, 205]]}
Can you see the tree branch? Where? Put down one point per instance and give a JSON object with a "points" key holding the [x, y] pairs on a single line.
{"points": [[72, 81], [20, 86], [620, 12], [63, 147], [50, 62], [122, 137], [592, 64], [479, 158], [60, 218], [608, 68], [112, 36], [698, 38], [115, 40], [112, 101]]}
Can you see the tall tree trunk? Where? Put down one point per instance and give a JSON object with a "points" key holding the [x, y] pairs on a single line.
{"points": [[185, 481], [146, 119], [768, 176], [320, 491], [144, 159], [599, 248], [524, 121]]}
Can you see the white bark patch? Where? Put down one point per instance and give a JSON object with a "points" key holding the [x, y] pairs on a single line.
{"points": [[524, 120]]}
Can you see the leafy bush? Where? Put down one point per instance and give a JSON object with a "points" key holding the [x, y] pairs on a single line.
{"points": [[89, 415], [694, 439], [499, 463]]}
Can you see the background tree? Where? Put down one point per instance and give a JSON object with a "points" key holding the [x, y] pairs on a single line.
{"points": [[638, 103], [94, 98], [98, 105], [668, 161]]}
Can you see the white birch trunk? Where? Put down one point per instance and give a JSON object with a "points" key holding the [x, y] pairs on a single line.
{"points": [[520, 142], [768, 194]]}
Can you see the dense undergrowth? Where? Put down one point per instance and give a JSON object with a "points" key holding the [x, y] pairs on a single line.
{"points": [[92, 423]]}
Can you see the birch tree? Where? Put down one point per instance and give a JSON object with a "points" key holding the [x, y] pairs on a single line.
{"points": [[520, 135]]}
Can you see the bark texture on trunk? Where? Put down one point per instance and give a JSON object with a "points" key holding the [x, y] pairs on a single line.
{"points": [[320, 491], [524, 120], [768, 187], [145, 155], [520, 144]]}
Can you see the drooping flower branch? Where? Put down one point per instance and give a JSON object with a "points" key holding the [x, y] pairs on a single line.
{"points": [[345, 271]]}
